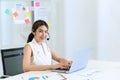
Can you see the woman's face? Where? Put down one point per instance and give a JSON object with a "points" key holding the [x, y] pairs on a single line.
{"points": [[41, 33]]}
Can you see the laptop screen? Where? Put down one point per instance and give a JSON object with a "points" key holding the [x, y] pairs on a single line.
{"points": [[80, 59]]}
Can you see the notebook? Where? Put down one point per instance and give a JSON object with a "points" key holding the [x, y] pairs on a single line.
{"points": [[79, 62]]}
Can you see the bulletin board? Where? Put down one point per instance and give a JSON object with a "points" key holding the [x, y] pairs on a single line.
{"points": [[19, 16], [23, 13]]}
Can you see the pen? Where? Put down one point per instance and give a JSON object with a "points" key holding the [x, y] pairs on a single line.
{"points": [[44, 77], [64, 78]]}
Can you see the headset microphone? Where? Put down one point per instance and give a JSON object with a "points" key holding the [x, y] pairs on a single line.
{"points": [[48, 37]]}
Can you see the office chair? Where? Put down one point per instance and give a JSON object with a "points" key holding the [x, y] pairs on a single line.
{"points": [[12, 61]]}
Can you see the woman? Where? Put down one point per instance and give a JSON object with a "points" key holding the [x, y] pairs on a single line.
{"points": [[37, 55]]}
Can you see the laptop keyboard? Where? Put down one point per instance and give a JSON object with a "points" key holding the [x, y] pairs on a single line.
{"points": [[62, 69]]}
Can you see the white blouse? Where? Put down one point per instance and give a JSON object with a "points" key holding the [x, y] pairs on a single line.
{"points": [[41, 53]]}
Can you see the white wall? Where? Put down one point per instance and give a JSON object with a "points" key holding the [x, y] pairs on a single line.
{"points": [[59, 27], [109, 30], [80, 25]]}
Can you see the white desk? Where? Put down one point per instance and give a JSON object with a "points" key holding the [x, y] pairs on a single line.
{"points": [[97, 70]]}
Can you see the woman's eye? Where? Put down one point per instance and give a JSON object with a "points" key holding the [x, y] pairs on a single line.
{"points": [[46, 31], [40, 31]]}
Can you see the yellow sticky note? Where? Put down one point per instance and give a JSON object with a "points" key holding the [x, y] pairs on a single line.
{"points": [[27, 14], [49, 24]]}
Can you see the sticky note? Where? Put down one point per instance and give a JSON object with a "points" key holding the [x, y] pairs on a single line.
{"points": [[18, 5], [49, 24], [27, 21], [15, 14], [27, 14], [37, 4], [7, 11]]}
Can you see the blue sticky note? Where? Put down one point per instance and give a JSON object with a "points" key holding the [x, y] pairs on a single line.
{"points": [[18, 5], [7, 11]]}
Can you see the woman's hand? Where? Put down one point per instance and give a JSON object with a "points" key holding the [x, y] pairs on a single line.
{"points": [[59, 65], [65, 63]]}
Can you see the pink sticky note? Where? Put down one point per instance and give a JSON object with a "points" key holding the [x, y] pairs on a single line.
{"points": [[27, 21], [37, 4]]}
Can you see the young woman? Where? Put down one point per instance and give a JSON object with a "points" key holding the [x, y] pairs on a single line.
{"points": [[37, 55]]}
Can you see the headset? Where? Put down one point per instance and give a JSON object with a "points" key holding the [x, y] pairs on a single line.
{"points": [[48, 38]]}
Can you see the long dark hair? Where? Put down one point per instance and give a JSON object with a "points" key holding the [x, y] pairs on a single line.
{"points": [[35, 26]]}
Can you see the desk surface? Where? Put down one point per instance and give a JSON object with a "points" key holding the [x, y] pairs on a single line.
{"points": [[96, 70]]}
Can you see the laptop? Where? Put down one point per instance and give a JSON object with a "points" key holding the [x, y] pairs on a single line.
{"points": [[80, 61]]}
